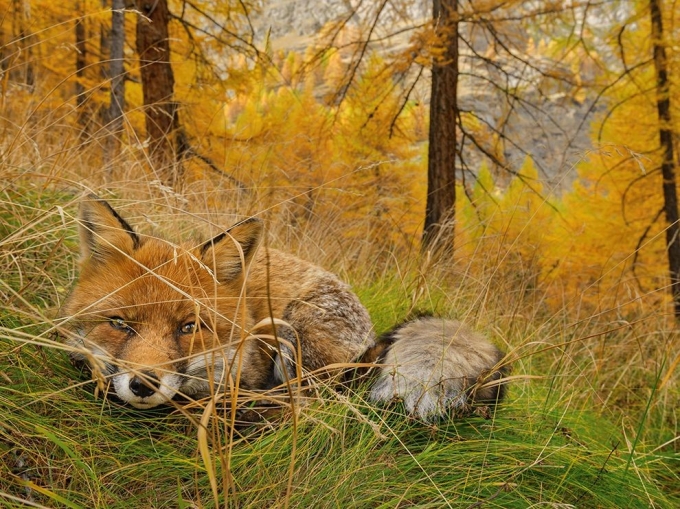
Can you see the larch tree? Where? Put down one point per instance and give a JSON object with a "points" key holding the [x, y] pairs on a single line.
{"points": [[81, 63], [486, 47], [158, 82], [116, 71], [442, 149], [209, 30], [663, 106], [640, 124], [21, 62]]}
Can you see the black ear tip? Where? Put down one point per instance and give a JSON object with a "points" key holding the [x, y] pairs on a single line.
{"points": [[248, 233], [91, 202], [97, 214], [252, 221], [90, 198]]}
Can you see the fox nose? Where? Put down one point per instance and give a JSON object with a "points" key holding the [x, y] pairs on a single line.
{"points": [[144, 385]]}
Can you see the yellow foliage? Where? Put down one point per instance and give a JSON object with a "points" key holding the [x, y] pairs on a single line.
{"points": [[508, 226], [600, 249], [330, 163], [614, 226], [310, 150]]}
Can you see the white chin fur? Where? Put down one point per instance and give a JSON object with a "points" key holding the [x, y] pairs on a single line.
{"points": [[169, 385]]}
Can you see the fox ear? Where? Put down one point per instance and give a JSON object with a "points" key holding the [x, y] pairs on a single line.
{"points": [[223, 254], [103, 233]]}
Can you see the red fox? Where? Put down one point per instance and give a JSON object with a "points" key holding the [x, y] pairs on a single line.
{"points": [[164, 321]]}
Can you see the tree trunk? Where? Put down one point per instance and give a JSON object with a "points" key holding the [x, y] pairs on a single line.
{"points": [[117, 68], [670, 196], [158, 82], [104, 63], [116, 46], [22, 37], [81, 62], [441, 166]]}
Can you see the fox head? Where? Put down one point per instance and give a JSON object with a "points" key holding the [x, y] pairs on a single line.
{"points": [[158, 319]]}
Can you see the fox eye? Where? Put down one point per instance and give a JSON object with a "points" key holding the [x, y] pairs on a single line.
{"points": [[119, 324], [188, 328]]}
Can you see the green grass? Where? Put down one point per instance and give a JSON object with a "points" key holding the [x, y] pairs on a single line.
{"points": [[553, 443], [65, 448]]}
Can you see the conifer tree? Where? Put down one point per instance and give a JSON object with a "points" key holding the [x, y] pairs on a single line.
{"points": [[117, 67], [158, 82], [442, 152], [670, 194]]}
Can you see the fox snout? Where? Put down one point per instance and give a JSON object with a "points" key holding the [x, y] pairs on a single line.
{"points": [[144, 389], [144, 385]]}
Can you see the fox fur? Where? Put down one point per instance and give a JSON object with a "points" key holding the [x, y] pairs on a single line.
{"points": [[163, 321]]}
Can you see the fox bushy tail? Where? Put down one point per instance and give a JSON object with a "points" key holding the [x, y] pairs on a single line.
{"points": [[436, 366]]}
